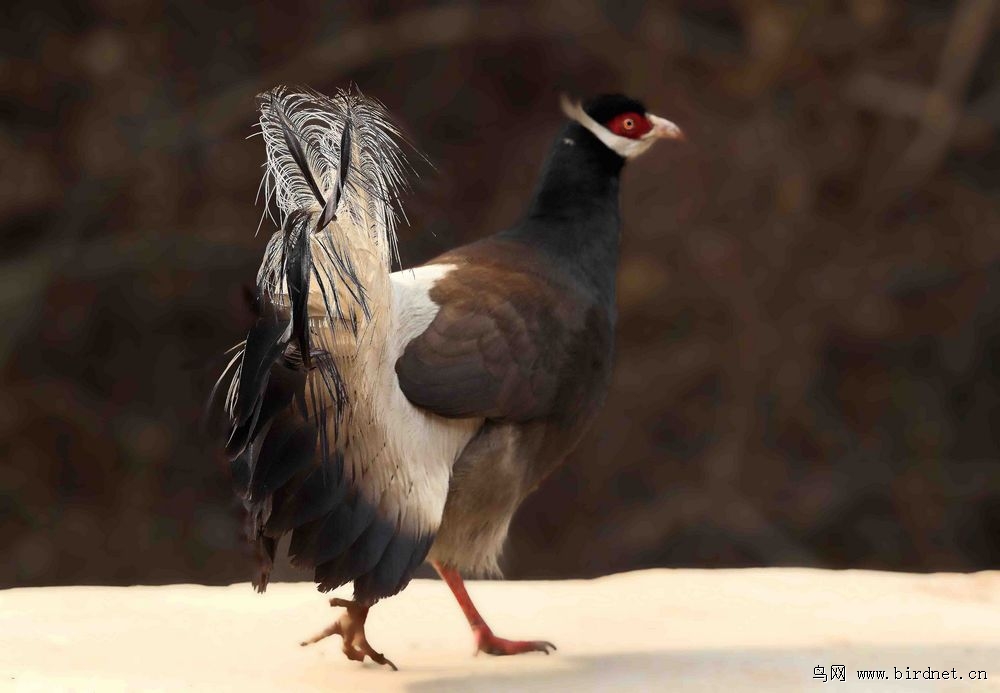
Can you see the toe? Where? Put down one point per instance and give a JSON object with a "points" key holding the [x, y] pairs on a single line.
{"points": [[334, 629], [377, 657], [501, 646], [352, 654]]}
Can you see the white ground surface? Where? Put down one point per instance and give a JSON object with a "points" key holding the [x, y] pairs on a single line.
{"points": [[676, 630]]}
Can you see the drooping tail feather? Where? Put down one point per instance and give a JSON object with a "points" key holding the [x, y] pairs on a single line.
{"points": [[334, 169]]}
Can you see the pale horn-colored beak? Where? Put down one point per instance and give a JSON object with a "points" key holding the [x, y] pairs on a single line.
{"points": [[663, 129]]}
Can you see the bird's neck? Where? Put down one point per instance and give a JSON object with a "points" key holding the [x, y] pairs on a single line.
{"points": [[580, 176], [574, 213]]}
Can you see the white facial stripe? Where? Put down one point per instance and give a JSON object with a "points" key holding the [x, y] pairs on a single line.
{"points": [[622, 146]]}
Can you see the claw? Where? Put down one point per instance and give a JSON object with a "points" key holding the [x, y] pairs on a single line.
{"points": [[492, 645], [351, 627]]}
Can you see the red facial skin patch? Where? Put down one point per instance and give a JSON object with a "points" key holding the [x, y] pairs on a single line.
{"points": [[631, 125]]}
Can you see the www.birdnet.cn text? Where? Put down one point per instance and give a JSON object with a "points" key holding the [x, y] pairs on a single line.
{"points": [[839, 672]]}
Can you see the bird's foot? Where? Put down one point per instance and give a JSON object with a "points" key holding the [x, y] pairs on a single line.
{"points": [[492, 645], [351, 628]]}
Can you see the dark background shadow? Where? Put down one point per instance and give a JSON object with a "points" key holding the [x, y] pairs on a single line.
{"points": [[809, 296]]}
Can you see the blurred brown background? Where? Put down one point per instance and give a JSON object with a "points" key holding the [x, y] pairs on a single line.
{"points": [[810, 288]]}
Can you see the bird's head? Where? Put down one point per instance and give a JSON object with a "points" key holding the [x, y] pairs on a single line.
{"points": [[621, 123]]}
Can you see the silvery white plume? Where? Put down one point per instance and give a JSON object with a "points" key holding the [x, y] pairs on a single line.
{"points": [[334, 169]]}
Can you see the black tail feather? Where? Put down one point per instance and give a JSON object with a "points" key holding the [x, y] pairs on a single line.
{"points": [[364, 553], [330, 208], [265, 548], [265, 344], [283, 384], [393, 572], [308, 499], [298, 276], [288, 448]]}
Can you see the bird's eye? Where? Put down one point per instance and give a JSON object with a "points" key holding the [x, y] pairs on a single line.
{"points": [[629, 123]]}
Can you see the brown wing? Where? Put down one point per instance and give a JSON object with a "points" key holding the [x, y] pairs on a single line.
{"points": [[502, 346]]}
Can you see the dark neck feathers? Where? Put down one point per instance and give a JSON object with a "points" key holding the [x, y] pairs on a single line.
{"points": [[573, 216], [581, 174]]}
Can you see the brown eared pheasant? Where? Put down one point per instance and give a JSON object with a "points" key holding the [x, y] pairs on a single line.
{"points": [[384, 419]]}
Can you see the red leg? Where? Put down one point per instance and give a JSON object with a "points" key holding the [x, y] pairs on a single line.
{"points": [[485, 640]]}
